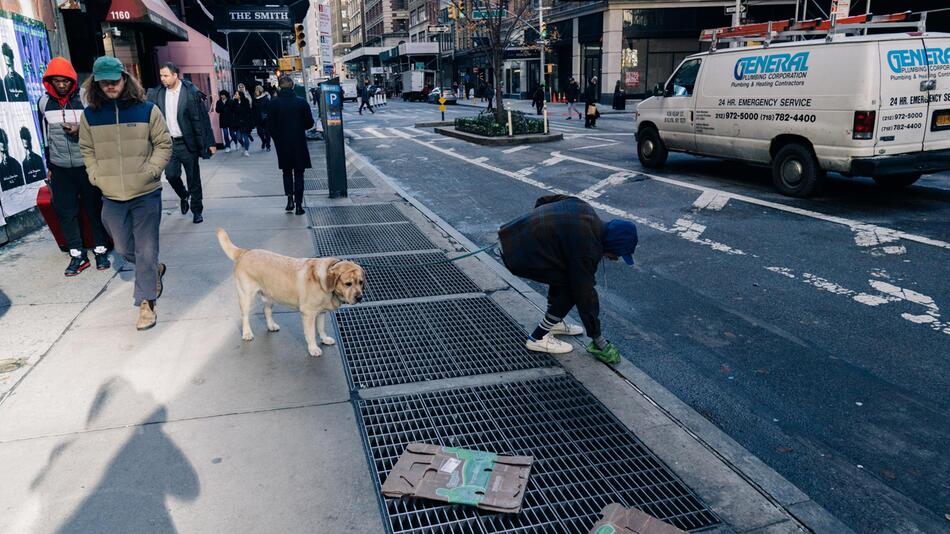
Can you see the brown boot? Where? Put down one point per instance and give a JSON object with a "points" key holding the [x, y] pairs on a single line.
{"points": [[147, 315]]}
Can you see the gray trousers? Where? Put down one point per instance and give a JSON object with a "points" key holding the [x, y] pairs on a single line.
{"points": [[133, 226]]}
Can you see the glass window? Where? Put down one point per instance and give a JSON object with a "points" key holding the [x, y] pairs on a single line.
{"points": [[684, 80]]}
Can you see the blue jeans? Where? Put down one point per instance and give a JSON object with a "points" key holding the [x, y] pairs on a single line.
{"points": [[241, 137], [226, 134]]}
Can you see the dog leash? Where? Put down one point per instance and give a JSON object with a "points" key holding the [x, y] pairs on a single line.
{"points": [[486, 248]]}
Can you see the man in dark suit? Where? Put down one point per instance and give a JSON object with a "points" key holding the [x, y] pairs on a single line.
{"points": [[11, 174], [190, 127], [288, 119], [13, 83], [33, 168]]}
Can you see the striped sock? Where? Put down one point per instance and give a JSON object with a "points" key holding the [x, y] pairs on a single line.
{"points": [[544, 326]]}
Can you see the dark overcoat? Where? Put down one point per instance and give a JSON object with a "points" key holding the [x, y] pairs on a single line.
{"points": [[288, 119]]}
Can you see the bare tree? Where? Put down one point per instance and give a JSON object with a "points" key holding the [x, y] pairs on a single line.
{"points": [[492, 28]]}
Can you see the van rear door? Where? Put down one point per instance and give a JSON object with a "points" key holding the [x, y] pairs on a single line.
{"points": [[904, 96], [937, 125]]}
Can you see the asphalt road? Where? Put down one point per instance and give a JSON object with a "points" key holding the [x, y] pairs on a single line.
{"points": [[814, 332]]}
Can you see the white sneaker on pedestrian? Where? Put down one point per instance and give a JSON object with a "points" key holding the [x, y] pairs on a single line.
{"points": [[228, 149], [564, 329], [247, 154], [549, 344]]}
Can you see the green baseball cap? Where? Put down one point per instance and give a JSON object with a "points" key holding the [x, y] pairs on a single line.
{"points": [[107, 68]]}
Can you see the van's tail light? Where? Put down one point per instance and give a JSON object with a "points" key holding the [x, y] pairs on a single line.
{"points": [[863, 124]]}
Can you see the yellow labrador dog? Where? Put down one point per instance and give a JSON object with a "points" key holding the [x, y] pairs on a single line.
{"points": [[312, 285]]}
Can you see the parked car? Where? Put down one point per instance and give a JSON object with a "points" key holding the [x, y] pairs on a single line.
{"points": [[436, 93]]}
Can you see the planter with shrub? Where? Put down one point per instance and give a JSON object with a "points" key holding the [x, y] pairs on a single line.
{"points": [[485, 124]]}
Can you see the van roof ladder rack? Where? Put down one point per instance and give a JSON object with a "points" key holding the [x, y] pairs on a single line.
{"points": [[789, 29]]}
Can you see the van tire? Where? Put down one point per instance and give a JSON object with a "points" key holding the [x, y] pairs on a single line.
{"points": [[651, 149], [795, 171], [897, 181]]}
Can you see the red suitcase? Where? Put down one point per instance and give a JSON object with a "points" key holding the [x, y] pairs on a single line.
{"points": [[44, 201]]}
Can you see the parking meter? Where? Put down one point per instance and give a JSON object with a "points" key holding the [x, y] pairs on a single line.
{"points": [[331, 111]]}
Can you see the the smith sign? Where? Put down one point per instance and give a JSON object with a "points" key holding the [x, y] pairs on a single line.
{"points": [[255, 18]]}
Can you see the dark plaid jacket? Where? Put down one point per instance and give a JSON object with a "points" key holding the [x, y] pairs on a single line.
{"points": [[559, 243]]}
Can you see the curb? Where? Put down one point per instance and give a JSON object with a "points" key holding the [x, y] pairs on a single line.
{"points": [[762, 478], [501, 140], [434, 124]]}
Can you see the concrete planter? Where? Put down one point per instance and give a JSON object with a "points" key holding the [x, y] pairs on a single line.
{"points": [[500, 140]]}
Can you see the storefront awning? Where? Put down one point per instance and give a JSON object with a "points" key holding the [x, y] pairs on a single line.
{"points": [[152, 12]]}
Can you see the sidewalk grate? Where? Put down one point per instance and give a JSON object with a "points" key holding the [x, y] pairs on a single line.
{"points": [[584, 458], [321, 184], [397, 277], [418, 341], [351, 240], [359, 214]]}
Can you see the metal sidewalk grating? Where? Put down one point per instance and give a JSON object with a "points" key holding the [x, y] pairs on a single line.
{"points": [[321, 184], [351, 240], [397, 277], [359, 214], [584, 458], [413, 342]]}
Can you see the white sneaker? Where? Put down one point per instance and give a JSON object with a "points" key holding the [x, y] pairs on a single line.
{"points": [[228, 149], [247, 154], [549, 344], [564, 329]]}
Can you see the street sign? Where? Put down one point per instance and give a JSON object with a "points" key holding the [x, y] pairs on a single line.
{"points": [[732, 9], [485, 13], [439, 29], [442, 101], [442, 107]]}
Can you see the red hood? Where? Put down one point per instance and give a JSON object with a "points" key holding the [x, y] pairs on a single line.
{"points": [[60, 66]]}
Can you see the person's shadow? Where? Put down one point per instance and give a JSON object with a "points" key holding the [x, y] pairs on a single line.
{"points": [[131, 495]]}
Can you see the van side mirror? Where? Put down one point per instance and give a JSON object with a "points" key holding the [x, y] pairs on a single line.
{"points": [[657, 90]]}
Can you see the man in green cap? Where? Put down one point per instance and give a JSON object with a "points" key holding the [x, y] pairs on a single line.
{"points": [[125, 145]]}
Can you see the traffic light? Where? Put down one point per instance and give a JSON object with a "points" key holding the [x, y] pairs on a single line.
{"points": [[451, 9], [300, 37], [549, 68], [544, 30]]}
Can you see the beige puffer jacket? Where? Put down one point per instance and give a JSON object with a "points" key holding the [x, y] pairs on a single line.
{"points": [[125, 146]]}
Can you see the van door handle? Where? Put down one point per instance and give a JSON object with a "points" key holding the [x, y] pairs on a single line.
{"points": [[928, 85], [690, 116]]}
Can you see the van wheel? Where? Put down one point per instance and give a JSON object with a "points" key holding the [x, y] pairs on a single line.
{"points": [[897, 181], [795, 171], [650, 148]]}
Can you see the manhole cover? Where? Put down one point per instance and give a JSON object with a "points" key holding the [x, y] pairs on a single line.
{"points": [[361, 214], [352, 240], [413, 342], [413, 275], [320, 184], [584, 458]]}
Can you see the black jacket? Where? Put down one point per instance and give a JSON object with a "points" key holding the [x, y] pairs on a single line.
{"points": [[559, 243], [225, 114], [591, 94], [538, 96], [288, 119], [572, 92], [260, 110], [193, 118], [241, 118]]}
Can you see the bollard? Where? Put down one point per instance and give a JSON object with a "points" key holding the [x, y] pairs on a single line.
{"points": [[510, 128], [546, 120], [384, 99]]}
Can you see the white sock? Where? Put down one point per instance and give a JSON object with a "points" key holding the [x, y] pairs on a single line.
{"points": [[99, 250], [75, 253]]}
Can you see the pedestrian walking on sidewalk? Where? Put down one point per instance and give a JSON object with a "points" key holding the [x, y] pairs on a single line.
{"points": [[537, 98], [591, 97], [363, 92], [288, 120], [125, 145], [189, 125], [619, 97], [560, 243], [261, 103], [572, 93], [59, 111], [246, 95], [241, 120], [225, 117]]}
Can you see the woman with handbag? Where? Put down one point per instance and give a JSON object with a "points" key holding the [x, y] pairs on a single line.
{"points": [[591, 96]]}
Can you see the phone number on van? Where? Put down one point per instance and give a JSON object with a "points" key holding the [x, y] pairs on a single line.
{"points": [[781, 117]]}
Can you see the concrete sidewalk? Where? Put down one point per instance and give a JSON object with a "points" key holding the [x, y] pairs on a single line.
{"points": [[186, 427]]}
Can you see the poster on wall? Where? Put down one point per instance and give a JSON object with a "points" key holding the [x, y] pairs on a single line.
{"points": [[24, 53]]}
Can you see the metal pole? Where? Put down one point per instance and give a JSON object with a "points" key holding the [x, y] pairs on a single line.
{"points": [[544, 70], [227, 42], [737, 16]]}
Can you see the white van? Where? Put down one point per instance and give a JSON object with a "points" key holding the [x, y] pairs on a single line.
{"points": [[876, 105]]}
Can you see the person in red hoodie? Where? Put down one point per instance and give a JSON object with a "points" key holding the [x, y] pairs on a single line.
{"points": [[60, 110]]}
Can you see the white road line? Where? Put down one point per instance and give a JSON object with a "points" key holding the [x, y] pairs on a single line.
{"points": [[599, 134], [593, 146], [597, 189], [711, 200], [515, 149], [354, 135], [689, 232], [850, 223], [374, 132]]}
